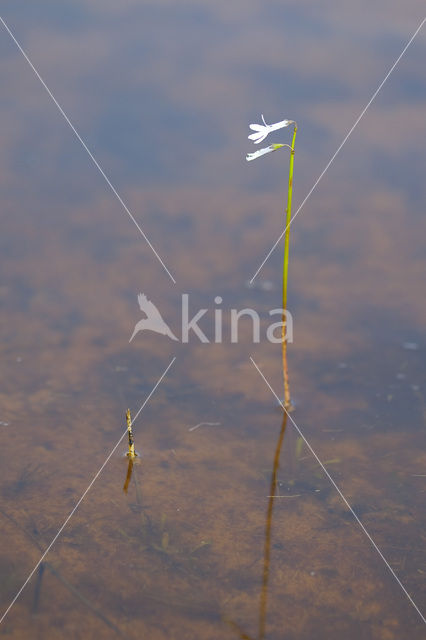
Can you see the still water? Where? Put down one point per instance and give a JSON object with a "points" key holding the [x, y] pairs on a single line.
{"points": [[226, 526]]}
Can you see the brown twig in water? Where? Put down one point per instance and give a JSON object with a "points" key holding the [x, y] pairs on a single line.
{"points": [[37, 587]]}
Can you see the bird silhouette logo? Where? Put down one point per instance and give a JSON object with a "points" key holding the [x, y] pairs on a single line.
{"points": [[153, 320]]}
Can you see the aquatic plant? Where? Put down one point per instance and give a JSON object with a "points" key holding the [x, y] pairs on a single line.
{"points": [[131, 452], [260, 133]]}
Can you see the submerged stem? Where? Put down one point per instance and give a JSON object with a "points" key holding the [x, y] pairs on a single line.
{"points": [[268, 531], [287, 401]]}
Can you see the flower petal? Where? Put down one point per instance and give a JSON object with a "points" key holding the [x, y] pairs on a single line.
{"points": [[257, 137], [280, 125], [261, 139], [264, 151], [262, 130]]}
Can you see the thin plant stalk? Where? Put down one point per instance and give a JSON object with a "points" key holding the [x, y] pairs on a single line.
{"points": [[268, 531], [287, 400]]}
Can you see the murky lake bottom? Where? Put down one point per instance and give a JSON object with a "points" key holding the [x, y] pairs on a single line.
{"points": [[227, 526]]}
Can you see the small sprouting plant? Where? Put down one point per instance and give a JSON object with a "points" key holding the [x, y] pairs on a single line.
{"points": [[131, 452], [261, 131]]}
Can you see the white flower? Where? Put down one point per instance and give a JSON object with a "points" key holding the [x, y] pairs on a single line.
{"points": [[262, 130], [262, 152]]}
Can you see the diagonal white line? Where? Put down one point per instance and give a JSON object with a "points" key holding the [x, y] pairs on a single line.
{"points": [[341, 495], [89, 153], [92, 482], [341, 145]]}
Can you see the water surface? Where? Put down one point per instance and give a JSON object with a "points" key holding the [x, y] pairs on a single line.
{"points": [[196, 547]]}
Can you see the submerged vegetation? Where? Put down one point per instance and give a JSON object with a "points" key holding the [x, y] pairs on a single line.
{"points": [[131, 452]]}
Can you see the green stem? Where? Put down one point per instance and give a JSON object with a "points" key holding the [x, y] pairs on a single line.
{"points": [[288, 219], [287, 401]]}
